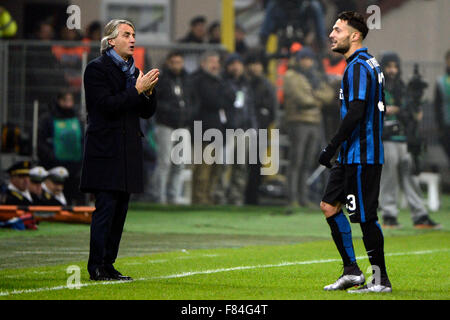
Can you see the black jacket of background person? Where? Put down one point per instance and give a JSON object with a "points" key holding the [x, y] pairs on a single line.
{"points": [[244, 117], [175, 111], [212, 94], [395, 91], [265, 101], [14, 198], [113, 158]]}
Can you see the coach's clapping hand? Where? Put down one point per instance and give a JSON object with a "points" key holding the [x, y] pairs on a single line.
{"points": [[326, 155], [146, 83]]}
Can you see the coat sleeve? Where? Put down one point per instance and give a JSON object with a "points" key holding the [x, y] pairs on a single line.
{"points": [[215, 96], [299, 90], [324, 93], [100, 95], [147, 106]]}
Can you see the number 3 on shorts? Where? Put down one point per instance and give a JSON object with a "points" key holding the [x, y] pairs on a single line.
{"points": [[351, 202]]}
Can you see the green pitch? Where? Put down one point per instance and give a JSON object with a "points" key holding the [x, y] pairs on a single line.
{"points": [[221, 253]]}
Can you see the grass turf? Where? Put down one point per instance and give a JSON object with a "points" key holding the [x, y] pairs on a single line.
{"points": [[221, 253]]}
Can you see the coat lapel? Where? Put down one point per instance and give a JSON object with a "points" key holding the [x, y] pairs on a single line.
{"points": [[116, 73]]}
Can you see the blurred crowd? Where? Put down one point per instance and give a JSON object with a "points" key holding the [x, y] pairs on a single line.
{"points": [[226, 91]]}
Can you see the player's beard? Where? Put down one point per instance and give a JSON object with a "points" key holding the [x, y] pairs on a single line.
{"points": [[342, 48]]}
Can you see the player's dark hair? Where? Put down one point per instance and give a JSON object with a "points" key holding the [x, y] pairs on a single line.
{"points": [[356, 20]]}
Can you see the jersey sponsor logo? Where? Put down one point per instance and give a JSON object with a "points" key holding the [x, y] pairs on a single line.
{"points": [[341, 94]]}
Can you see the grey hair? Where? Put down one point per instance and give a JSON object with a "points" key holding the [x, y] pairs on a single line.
{"points": [[111, 31], [209, 53]]}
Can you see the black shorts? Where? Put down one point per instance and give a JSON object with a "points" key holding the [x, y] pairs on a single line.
{"points": [[357, 186]]}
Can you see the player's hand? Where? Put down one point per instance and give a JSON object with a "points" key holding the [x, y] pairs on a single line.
{"points": [[326, 155]]}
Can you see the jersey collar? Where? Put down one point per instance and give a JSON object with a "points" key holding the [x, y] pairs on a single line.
{"points": [[357, 52]]}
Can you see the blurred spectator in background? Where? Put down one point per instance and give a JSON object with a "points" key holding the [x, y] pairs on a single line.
{"points": [[60, 141], [197, 32], [347, 5], [37, 176], [306, 91], [175, 110], [241, 116], [150, 154], [8, 26], [17, 192], [53, 187], [334, 65], [398, 166], [196, 35], [93, 32], [70, 58], [239, 36], [214, 35], [45, 31], [215, 100], [44, 77], [297, 13], [442, 105], [67, 34], [265, 106]]}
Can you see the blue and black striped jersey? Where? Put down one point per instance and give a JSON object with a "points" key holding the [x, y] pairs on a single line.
{"points": [[363, 80]]}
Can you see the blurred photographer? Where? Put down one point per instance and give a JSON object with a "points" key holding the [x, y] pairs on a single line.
{"points": [[399, 165], [306, 92], [442, 105]]}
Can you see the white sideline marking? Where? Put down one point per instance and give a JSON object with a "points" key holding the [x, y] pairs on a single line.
{"points": [[192, 273], [177, 258], [51, 252]]}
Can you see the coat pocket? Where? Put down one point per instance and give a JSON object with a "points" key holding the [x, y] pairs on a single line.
{"points": [[103, 143]]}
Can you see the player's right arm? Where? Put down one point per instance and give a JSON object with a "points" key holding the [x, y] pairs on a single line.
{"points": [[358, 84]]}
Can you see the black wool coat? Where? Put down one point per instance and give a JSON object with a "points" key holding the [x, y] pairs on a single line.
{"points": [[113, 157]]}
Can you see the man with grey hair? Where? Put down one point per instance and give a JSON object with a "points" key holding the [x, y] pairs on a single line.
{"points": [[117, 96], [215, 100]]}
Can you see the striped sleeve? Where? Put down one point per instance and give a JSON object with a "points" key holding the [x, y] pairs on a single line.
{"points": [[358, 82]]}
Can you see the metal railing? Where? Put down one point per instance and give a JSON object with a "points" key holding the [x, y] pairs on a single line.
{"points": [[33, 71], [36, 70]]}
